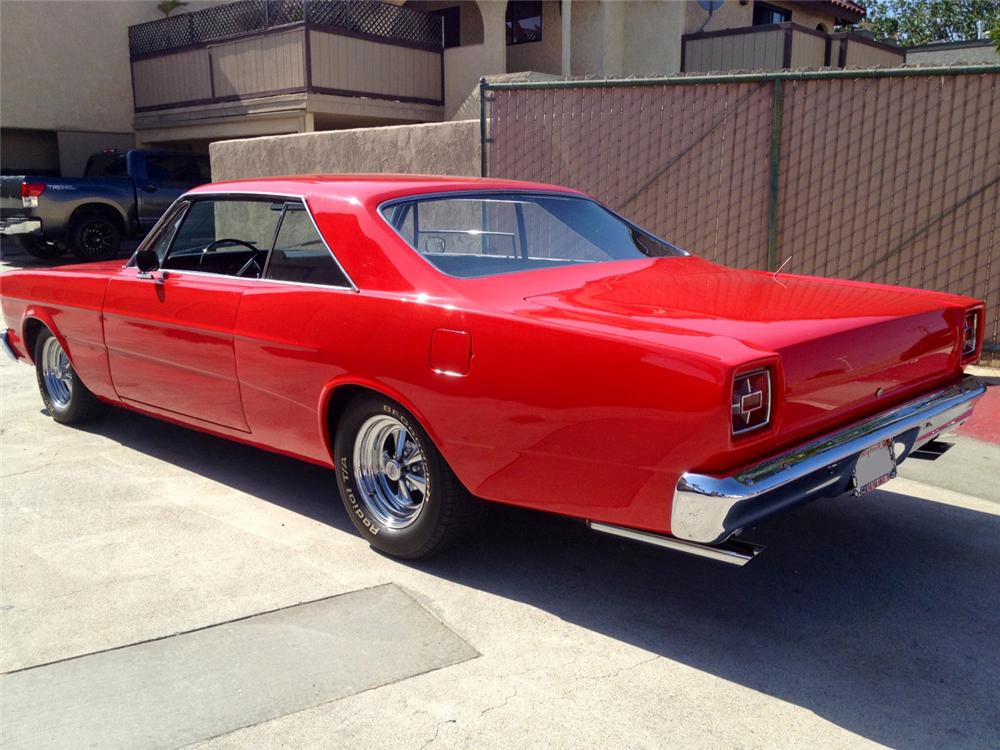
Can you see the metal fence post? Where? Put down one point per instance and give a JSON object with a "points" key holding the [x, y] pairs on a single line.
{"points": [[777, 107], [482, 127]]}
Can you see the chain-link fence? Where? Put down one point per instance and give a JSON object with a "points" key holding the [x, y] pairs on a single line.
{"points": [[889, 176]]}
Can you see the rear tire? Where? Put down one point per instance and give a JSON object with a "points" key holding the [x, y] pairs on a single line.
{"points": [[94, 237], [66, 398], [41, 248], [400, 494]]}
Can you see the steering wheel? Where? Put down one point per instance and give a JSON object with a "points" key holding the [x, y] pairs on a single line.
{"points": [[252, 263]]}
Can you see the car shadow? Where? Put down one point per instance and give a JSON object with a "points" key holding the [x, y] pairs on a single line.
{"points": [[880, 615], [303, 488]]}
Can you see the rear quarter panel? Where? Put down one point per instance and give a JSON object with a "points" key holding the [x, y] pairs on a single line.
{"points": [[68, 301], [590, 425]]}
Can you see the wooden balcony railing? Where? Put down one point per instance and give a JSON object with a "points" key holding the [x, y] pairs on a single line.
{"points": [[258, 48], [782, 46]]}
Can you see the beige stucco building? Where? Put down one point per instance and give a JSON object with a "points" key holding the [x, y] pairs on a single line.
{"points": [[126, 75], [66, 87]]}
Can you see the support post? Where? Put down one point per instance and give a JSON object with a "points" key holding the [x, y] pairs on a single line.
{"points": [[483, 165], [777, 105], [566, 63]]}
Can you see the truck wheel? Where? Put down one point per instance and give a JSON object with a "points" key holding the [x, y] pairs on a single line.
{"points": [[400, 494], [94, 237], [43, 249], [66, 398]]}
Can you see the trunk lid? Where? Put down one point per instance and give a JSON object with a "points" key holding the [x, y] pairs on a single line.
{"points": [[846, 348]]}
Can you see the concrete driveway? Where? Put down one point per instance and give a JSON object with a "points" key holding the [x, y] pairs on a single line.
{"points": [[865, 622]]}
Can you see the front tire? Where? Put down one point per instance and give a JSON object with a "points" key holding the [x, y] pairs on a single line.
{"points": [[66, 398], [40, 248], [400, 494], [94, 237]]}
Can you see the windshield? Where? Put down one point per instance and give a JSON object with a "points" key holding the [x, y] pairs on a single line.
{"points": [[484, 234]]}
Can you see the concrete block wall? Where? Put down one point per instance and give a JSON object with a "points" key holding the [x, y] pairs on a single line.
{"points": [[450, 148]]}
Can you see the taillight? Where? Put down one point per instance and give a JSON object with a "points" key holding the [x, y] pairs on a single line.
{"points": [[30, 192], [751, 401], [970, 333]]}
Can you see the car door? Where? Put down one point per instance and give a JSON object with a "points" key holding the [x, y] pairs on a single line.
{"points": [[162, 179], [169, 333], [292, 334]]}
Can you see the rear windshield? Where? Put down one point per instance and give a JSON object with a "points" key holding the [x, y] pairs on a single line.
{"points": [[486, 234], [106, 165]]}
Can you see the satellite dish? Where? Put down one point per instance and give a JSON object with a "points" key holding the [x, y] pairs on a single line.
{"points": [[710, 6]]}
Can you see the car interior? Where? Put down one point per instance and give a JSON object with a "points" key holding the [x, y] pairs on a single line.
{"points": [[251, 239]]}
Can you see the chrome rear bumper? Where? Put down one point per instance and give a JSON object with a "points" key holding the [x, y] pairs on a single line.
{"points": [[710, 509], [20, 225]]}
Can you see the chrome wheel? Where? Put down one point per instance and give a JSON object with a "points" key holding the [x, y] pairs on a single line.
{"points": [[390, 471], [57, 374]]}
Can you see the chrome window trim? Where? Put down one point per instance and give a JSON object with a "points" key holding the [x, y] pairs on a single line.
{"points": [[473, 192], [245, 281], [194, 195]]}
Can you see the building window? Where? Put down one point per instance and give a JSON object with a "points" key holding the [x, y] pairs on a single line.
{"points": [[451, 18], [524, 21], [764, 14]]}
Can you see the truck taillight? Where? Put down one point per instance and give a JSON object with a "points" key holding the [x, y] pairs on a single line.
{"points": [[30, 192], [751, 401], [970, 334]]}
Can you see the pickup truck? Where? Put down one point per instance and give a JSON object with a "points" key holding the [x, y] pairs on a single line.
{"points": [[121, 195]]}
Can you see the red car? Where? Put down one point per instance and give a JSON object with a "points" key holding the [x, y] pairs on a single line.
{"points": [[439, 340]]}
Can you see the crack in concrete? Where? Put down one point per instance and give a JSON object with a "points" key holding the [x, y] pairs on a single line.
{"points": [[437, 731], [499, 705], [609, 675]]}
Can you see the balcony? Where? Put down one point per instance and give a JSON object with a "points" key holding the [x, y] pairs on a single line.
{"points": [[355, 60], [782, 46]]}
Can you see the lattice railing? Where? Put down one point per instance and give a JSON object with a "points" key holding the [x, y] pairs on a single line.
{"points": [[383, 21]]}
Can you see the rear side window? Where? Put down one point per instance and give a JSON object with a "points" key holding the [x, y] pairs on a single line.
{"points": [[300, 254], [484, 234]]}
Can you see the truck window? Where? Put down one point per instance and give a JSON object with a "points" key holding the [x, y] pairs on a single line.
{"points": [[204, 167], [173, 168], [106, 165]]}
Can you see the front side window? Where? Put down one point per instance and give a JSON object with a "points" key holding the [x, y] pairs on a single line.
{"points": [[300, 254], [161, 243], [524, 21], [226, 236], [484, 234]]}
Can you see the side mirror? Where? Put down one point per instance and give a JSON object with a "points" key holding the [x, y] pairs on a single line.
{"points": [[147, 260]]}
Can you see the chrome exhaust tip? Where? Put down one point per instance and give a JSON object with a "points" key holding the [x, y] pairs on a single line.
{"points": [[733, 552]]}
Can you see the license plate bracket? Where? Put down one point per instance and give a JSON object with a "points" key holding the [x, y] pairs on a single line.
{"points": [[875, 466]]}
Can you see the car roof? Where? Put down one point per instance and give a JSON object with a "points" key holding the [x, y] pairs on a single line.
{"points": [[372, 187]]}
